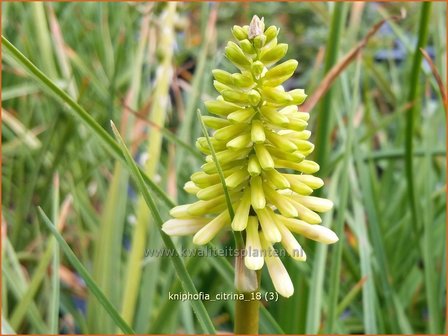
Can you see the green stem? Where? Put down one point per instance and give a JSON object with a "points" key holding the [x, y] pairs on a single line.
{"points": [[247, 312], [411, 116]]}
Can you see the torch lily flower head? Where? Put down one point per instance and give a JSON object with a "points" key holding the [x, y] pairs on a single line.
{"points": [[261, 143]]}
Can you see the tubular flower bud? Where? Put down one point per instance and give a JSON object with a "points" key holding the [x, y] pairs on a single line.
{"points": [[261, 144]]}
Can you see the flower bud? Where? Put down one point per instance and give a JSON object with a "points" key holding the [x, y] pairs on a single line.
{"points": [[290, 243], [243, 80], [239, 33], [263, 156], [271, 33], [209, 231], [273, 116], [268, 226], [242, 116], [253, 167], [183, 227], [257, 132], [306, 214], [315, 203], [315, 232], [256, 27], [222, 108], [281, 142], [254, 255], [242, 141], [257, 68], [191, 188], [285, 207], [277, 179], [276, 96], [239, 222], [214, 122], [277, 271], [298, 96], [280, 73], [223, 77], [272, 55], [236, 178], [204, 180], [236, 56], [259, 41], [257, 195], [247, 47]]}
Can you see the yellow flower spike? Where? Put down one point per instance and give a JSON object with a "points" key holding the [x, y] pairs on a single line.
{"points": [[239, 222], [254, 255], [277, 271], [258, 200], [258, 131], [209, 231]]}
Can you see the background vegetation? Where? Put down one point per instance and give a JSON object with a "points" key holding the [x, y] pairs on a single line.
{"points": [[380, 140]]}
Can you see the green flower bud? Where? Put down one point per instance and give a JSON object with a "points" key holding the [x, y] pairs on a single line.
{"points": [[239, 33], [298, 96], [243, 80], [223, 77], [222, 108], [259, 41], [259, 131], [247, 47], [271, 33], [256, 193], [236, 56], [257, 68], [242, 116], [280, 73], [253, 166], [270, 56]]}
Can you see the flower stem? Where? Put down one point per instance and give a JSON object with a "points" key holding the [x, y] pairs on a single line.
{"points": [[247, 315], [247, 312]]}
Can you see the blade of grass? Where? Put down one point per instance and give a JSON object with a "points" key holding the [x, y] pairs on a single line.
{"points": [[53, 307], [182, 273], [412, 113], [93, 287], [324, 118], [336, 255]]}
